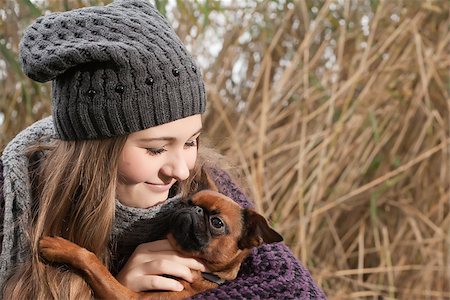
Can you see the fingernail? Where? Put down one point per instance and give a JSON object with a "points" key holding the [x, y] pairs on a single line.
{"points": [[179, 287]]}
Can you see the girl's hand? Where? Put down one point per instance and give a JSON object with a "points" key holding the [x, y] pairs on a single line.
{"points": [[149, 261]]}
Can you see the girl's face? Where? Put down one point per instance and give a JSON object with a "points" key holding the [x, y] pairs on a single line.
{"points": [[153, 159]]}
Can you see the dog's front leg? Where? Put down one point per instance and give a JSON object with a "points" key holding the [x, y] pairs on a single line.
{"points": [[104, 285]]}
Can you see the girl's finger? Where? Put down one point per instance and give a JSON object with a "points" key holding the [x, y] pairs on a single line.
{"points": [[166, 267], [191, 263], [162, 283], [144, 257], [155, 282], [156, 246]]}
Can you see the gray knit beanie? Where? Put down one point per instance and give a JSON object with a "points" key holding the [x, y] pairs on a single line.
{"points": [[115, 69]]}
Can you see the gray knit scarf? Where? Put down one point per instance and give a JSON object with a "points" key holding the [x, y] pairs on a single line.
{"points": [[130, 225]]}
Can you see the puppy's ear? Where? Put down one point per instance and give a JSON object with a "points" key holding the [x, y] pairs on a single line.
{"points": [[257, 231], [206, 182]]}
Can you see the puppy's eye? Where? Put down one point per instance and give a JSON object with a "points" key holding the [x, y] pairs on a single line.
{"points": [[217, 222]]}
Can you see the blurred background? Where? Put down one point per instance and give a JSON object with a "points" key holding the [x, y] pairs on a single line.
{"points": [[337, 115]]}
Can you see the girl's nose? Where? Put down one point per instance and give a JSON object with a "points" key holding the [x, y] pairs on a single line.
{"points": [[177, 168]]}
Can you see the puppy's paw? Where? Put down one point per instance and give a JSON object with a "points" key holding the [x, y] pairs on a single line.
{"points": [[58, 249]]}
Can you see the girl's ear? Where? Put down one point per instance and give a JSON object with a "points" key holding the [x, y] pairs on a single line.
{"points": [[206, 181]]}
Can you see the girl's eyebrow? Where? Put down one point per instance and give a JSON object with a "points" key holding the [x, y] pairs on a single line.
{"points": [[166, 138]]}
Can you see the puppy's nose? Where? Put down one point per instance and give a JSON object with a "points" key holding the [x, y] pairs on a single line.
{"points": [[198, 210]]}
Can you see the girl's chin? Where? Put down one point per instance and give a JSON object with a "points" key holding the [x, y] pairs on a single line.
{"points": [[144, 199], [153, 200]]}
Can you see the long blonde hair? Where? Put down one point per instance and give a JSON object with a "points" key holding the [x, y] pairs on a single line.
{"points": [[75, 199]]}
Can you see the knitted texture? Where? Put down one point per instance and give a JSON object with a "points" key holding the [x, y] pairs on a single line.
{"points": [[17, 195], [2, 201], [134, 226], [270, 272], [115, 69]]}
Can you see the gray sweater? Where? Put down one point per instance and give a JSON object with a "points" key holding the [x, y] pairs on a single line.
{"points": [[270, 272]]}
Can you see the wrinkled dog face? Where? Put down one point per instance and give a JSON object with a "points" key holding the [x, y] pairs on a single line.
{"points": [[215, 229], [208, 221]]}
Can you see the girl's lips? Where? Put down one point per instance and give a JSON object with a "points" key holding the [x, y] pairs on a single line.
{"points": [[159, 188]]}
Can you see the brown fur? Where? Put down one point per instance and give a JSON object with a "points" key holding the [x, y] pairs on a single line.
{"points": [[222, 254]]}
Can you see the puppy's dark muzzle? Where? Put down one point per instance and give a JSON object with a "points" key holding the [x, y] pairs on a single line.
{"points": [[189, 228]]}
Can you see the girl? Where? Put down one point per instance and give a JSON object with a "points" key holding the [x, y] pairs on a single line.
{"points": [[121, 145]]}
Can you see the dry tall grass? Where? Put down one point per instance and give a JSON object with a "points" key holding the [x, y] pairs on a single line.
{"points": [[338, 115]]}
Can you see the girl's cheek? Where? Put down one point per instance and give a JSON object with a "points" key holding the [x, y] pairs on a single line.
{"points": [[192, 159]]}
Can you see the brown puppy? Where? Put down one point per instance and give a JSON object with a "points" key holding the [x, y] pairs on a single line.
{"points": [[209, 227]]}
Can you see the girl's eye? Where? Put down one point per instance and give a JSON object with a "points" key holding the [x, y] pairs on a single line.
{"points": [[190, 144], [155, 151]]}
